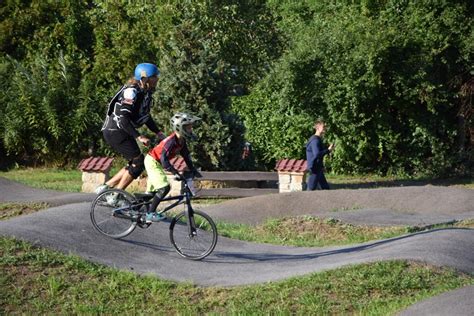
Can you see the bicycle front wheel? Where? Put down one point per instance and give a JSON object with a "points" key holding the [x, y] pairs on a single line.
{"points": [[196, 242], [112, 213]]}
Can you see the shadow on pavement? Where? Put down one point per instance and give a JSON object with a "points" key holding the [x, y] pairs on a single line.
{"points": [[148, 245], [308, 256]]}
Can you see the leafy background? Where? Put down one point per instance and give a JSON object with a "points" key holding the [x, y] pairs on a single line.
{"points": [[393, 79]]}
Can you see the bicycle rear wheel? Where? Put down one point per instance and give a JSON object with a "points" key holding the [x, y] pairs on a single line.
{"points": [[112, 213], [197, 244]]}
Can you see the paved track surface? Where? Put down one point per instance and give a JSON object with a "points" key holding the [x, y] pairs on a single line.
{"points": [[423, 205], [11, 191], [67, 228], [457, 303]]}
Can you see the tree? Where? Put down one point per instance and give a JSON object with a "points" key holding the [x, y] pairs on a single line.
{"points": [[387, 79], [44, 56], [194, 79], [209, 52]]}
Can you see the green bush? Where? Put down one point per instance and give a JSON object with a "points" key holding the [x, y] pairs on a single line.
{"points": [[387, 78], [393, 79], [44, 49], [61, 62]]}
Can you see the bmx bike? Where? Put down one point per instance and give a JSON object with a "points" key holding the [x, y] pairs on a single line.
{"points": [[116, 213]]}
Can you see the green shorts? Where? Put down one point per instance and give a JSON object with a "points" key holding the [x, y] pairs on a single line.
{"points": [[157, 178]]}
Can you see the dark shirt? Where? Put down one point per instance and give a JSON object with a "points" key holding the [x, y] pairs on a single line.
{"points": [[315, 152], [130, 109]]}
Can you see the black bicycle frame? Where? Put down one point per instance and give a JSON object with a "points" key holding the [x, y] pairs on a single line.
{"points": [[189, 209]]}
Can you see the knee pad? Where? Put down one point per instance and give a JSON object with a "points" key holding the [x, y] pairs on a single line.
{"points": [[136, 166]]}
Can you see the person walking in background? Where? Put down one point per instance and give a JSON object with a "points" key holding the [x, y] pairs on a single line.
{"points": [[128, 110], [315, 152]]}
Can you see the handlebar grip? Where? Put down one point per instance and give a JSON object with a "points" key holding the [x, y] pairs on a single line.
{"points": [[179, 177]]}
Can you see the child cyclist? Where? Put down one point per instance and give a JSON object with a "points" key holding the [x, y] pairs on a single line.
{"points": [[158, 160]]}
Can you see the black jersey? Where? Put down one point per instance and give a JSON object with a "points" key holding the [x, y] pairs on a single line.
{"points": [[129, 109]]}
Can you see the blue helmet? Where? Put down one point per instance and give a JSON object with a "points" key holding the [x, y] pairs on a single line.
{"points": [[146, 70]]}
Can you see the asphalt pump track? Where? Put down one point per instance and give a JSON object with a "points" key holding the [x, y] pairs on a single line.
{"points": [[66, 227]]}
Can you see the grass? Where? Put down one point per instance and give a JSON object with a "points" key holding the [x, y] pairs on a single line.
{"points": [[375, 181], [468, 223], [41, 281], [47, 178], [9, 210], [308, 231]]}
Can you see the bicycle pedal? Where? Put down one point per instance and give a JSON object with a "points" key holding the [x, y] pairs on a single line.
{"points": [[142, 224]]}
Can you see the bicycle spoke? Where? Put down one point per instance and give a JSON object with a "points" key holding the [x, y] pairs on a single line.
{"points": [[199, 245], [104, 213]]}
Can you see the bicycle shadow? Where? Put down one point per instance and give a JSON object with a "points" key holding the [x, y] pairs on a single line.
{"points": [[148, 245], [264, 257], [156, 229]]}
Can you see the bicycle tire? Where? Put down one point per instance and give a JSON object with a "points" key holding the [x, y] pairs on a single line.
{"points": [[198, 246], [104, 213]]}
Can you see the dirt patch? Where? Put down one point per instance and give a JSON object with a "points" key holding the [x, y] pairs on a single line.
{"points": [[311, 231], [9, 210]]}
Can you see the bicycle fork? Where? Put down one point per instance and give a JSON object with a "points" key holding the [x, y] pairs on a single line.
{"points": [[191, 222]]}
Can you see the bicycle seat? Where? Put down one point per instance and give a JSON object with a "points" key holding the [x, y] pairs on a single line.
{"points": [[144, 196]]}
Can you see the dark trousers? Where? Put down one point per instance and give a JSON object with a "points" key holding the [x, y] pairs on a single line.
{"points": [[316, 178], [122, 143]]}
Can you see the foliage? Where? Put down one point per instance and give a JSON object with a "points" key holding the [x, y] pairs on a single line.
{"points": [[275, 128], [393, 79], [199, 73], [62, 61], [387, 79], [194, 80], [41, 114]]}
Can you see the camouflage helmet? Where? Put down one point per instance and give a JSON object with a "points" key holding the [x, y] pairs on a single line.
{"points": [[180, 120]]}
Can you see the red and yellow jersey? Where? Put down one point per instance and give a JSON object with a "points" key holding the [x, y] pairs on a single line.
{"points": [[168, 148]]}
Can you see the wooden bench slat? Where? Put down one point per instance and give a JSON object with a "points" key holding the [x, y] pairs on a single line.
{"points": [[238, 176], [234, 192]]}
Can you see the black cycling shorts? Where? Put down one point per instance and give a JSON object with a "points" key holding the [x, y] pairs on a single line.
{"points": [[122, 143]]}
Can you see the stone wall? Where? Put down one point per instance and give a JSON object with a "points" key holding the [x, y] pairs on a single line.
{"points": [[91, 180], [138, 185], [291, 181]]}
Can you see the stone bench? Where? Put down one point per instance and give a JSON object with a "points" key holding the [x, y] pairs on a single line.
{"points": [[289, 176]]}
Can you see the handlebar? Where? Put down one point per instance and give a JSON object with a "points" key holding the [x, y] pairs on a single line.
{"points": [[187, 175], [187, 184]]}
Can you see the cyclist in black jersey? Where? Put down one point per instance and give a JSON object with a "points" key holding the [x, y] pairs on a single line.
{"points": [[128, 110]]}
